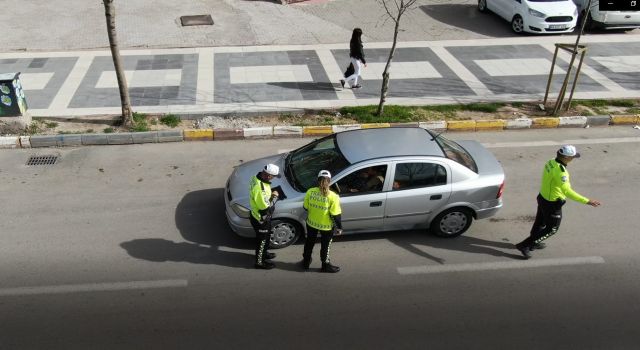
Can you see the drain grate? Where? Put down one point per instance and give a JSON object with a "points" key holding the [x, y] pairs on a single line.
{"points": [[42, 160], [199, 20]]}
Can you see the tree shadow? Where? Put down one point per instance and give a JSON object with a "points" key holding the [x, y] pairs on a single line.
{"points": [[311, 86], [200, 218], [467, 17]]}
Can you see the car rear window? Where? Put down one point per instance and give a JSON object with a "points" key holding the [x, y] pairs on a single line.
{"points": [[457, 153]]}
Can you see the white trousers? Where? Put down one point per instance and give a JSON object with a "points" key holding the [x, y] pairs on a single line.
{"points": [[353, 78]]}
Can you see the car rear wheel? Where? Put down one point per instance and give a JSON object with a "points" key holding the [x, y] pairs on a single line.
{"points": [[452, 222], [482, 5], [285, 233], [517, 24]]}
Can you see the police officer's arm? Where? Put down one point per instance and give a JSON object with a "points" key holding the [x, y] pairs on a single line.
{"points": [[336, 212], [569, 192], [305, 205]]}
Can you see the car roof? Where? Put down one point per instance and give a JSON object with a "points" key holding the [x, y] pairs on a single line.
{"points": [[362, 144]]}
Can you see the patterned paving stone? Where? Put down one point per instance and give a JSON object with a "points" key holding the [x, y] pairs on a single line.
{"points": [[618, 61], [435, 78], [256, 87], [502, 59], [97, 88], [47, 74]]}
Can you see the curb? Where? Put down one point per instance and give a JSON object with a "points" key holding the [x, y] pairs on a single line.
{"points": [[65, 140]]}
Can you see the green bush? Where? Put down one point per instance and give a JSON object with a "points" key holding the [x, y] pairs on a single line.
{"points": [[139, 122], [170, 120], [108, 130]]}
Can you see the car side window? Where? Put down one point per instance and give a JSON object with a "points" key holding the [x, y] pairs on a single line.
{"points": [[413, 175], [365, 180]]}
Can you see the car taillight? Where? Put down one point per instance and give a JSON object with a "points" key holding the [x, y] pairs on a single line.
{"points": [[500, 190]]}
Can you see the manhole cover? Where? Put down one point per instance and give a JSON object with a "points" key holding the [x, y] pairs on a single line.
{"points": [[42, 160], [198, 20]]}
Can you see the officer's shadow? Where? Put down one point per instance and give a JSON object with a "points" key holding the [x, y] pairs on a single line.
{"points": [[419, 242], [200, 218]]}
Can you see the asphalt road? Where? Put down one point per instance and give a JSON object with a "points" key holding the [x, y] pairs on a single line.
{"points": [[127, 247]]}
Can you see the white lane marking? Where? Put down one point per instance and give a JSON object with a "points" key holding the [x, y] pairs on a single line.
{"points": [[558, 143], [270, 74], [620, 64], [511, 67], [141, 78], [35, 81], [462, 72], [401, 70], [412, 270], [92, 287], [205, 85]]}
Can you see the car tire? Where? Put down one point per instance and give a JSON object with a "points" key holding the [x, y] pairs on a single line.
{"points": [[517, 24], [482, 5], [285, 233], [452, 222]]}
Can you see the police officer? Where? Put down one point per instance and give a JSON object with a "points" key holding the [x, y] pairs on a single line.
{"points": [[554, 190], [324, 215], [262, 204]]}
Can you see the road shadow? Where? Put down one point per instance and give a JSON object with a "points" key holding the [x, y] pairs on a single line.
{"points": [[418, 241], [200, 218], [467, 17]]}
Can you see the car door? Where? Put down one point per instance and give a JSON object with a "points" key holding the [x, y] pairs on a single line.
{"points": [[500, 7], [419, 188], [363, 208]]}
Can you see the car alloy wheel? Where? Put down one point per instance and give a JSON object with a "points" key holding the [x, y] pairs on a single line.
{"points": [[452, 222], [482, 5], [285, 233], [517, 24]]}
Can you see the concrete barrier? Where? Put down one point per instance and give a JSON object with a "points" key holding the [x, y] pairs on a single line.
{"points": [[287, 131], [317, 130], [124, 138], [490, 125], [437, 125], [545, 122], [572, 122], [198, 134], [67, 140], [9, 142], [45, 141], [345, 127], [375, 125], [262, 132], [145, 137], [25, 141], [461, 125], [94, 139], [228, 134], [519, 123], [624, 119], [170, 136], [598, 120]]}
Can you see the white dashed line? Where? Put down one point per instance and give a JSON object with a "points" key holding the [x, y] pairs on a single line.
{"points": [[523, 264], [92, 287]]}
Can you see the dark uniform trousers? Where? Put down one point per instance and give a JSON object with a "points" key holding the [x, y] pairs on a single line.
{"points": [[548, 218], [325, 241], [263, 237]]}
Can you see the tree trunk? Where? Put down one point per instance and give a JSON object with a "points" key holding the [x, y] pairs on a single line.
{"points": [[385, 73], [110, 14]]}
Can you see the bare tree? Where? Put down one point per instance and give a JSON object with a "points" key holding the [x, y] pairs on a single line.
{"points": [[394, 9], [110, 14]]}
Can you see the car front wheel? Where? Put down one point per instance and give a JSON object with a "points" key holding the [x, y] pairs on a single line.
{"points": [[452, 222], [482, 5], [285, 233], [517, 24]]}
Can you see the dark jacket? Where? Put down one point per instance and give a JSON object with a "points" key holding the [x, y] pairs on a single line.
{"points": [[356, 50]]}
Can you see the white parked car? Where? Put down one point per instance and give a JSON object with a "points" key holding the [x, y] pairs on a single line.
{"points": [[626, 20], [535, 16]]}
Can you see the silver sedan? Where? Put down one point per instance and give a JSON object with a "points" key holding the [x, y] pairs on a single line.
{"points": [[388, 179]]}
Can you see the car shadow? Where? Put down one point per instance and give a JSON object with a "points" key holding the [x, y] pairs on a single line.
{"points": [[467, 17], [200, 218], [416, 241]]}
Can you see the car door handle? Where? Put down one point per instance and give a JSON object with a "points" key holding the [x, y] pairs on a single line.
{"points": [[375, 204], [435, 197]]}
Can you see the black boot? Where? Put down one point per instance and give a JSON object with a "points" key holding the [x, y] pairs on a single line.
{"points": [[305, 263], [266, 265], [270, 255], [327, 267]]}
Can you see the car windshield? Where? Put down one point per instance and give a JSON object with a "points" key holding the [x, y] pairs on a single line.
{"points": [[455, 152], [302, 165]]}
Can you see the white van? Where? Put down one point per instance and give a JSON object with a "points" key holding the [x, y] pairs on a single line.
{"points": [[535, 16], [626, 20]]}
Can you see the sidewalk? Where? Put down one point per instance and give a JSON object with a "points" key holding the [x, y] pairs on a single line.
{"points": [[256, 79]]}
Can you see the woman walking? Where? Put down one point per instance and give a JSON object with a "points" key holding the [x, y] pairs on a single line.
{"points": [[356, 52], [324, 215]]}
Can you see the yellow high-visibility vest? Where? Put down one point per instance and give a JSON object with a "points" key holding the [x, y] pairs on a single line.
{"points": [[555, 183], [259, 195], [321, 208]]}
